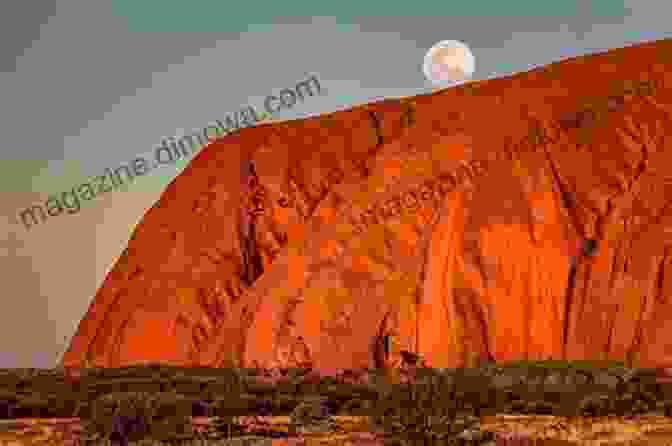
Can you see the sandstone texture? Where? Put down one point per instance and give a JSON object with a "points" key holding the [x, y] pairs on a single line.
{"points": [[525, 217]]}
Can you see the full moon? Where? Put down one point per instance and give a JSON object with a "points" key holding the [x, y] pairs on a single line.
{"points": [[449, 62]]}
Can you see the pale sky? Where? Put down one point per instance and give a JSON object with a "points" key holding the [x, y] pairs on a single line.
{"points": [[86, 85]]}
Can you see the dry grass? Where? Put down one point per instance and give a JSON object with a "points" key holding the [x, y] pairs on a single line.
{"points": [[638, 431]]}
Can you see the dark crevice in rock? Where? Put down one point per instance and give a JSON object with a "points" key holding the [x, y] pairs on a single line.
{"points": [[610, 336], [658, 298], [468, 308], [378, 345], [569, 296], [251, 260], [377, 127], [590, 247], [577, 120], [483, 326], [410, 358], [408, 119], [612, 272], [566, 199], [252, 265], [660, 277], [569, 203]]}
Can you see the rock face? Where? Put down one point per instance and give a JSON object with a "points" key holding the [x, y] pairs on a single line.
{"points": [[521, 217]]}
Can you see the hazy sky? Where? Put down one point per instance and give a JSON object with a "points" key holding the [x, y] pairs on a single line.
{"points": [[86, 85]]}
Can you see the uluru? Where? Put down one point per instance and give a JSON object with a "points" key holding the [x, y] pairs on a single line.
{"points": [[522, 217]]}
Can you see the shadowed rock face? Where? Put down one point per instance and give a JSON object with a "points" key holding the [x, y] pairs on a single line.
{"points": [[522, 217]]}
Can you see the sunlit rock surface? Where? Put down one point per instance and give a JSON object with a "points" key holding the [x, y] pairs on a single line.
{"points": [[521, 217]]}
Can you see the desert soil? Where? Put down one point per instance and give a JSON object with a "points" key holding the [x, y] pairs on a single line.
{"points": [[636, 431]]}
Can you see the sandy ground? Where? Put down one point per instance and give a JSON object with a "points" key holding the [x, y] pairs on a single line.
{"points": [[636, 431]]}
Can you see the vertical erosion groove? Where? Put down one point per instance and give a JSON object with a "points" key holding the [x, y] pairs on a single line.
{"points": [[251, 260], [377, 127], [569, 296], [408, 119], [425, 244], [659, 297], [568, 203], [378, 345]]}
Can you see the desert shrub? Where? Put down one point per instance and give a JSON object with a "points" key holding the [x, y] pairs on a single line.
{"points": [[230, 375], [136, 415], [264, 408], [562, 364], [224, 427], [7, 408], [296, 373], [427, 411], [353, 406], [312, 415], [236, 405], [248, 372], [596, 405], [125, 427], [199, 409]]}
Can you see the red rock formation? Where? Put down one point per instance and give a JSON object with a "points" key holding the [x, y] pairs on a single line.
{"points": [[521, 217], [191, 258]]}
